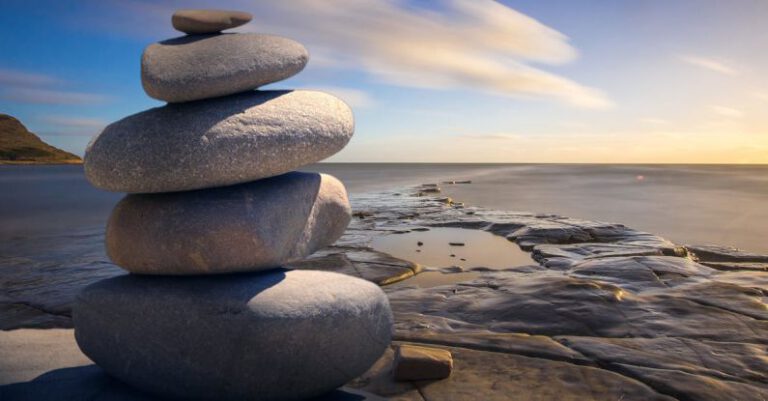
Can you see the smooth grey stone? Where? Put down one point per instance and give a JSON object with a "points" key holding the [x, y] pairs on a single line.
{"points": [[218, 142], [208, 21], [247, 227], [205, 66], [277, 335]]}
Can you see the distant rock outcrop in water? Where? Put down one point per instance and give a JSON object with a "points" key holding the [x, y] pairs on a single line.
{"points": [[19, 146]]}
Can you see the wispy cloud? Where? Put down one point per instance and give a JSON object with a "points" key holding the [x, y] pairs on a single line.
{"points": [[355, 98], [45, 96], [653, 121], [476, 45], [761, 95], [70, 126], [505, 136], [727, 111], [74, 122], [574, 124], [21, 78], [709, 64]]}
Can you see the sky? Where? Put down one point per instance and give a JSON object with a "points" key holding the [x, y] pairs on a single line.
{"points": [[556, 81]]}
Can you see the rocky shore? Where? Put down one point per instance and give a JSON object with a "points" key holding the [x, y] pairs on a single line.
{"points": [[606, 313]]}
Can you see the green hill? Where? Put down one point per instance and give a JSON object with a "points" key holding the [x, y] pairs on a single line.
{"points": [[19, 146]]}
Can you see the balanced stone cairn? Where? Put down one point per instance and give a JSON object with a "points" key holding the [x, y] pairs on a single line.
{"points": [[211, 194]]}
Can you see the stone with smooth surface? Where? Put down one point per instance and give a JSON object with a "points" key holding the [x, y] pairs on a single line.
{"points": [[218, 142], [275, 335], [421, 363], [205, 66], [247, 227], [47, 365], [208, 21]]}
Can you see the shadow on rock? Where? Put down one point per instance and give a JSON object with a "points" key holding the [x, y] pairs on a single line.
{"points": [[92, 383]]}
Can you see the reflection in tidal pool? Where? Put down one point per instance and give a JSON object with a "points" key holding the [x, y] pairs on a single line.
{"points": [[435, 278], [445, 247]]}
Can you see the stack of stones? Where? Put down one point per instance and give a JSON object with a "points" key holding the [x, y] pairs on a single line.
{"points": [[213, 211]]}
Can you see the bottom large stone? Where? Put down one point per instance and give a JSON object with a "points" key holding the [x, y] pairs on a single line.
{"points": [[279, 335]]}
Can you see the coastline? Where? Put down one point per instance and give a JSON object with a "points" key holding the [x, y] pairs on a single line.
{"points": [[581, 309], [688, 204], [36, 163]]}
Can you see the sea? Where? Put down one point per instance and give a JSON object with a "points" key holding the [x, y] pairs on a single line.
{"points": [[688, 204]]}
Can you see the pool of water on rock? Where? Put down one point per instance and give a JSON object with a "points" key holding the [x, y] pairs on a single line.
{"points": [[438, 247]]}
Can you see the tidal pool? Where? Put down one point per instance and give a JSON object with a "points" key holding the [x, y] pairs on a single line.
{"points": [[429, 279], [446, 247]]}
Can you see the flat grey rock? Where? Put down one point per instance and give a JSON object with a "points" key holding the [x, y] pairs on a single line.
{"points": [[276, 335], [218, 142], [208, 21], [247, 227], [205, 66], [47, 365]]}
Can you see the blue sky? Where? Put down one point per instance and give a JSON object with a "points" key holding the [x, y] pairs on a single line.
{"points": [[451, 81]]}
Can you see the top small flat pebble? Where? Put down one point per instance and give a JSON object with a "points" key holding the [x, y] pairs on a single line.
{"points": [[208, 21]]}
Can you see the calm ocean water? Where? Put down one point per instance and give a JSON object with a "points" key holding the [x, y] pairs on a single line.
{"points": [[726, 205]]}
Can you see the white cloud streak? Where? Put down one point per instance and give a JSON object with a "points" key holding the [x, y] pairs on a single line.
{"points": [[503, 136], [709, 64], [653, 121], [44, 96], [727, 111], [35, 88], [21, 78], [355, 98], [74, 122], [477, 45]]}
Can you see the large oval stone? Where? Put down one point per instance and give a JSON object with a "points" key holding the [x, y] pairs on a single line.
{"points": [[205, 66], [247, 227], [218, 142], [208, 21], [279, 335]]}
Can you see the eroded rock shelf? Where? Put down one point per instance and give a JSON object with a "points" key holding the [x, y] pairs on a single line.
{"points": [[606, 312]]}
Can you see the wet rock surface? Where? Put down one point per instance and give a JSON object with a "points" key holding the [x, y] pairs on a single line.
{"points": [[606, 313]]}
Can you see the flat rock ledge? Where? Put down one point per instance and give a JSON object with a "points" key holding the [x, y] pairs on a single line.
{"points": [[606, 312]]}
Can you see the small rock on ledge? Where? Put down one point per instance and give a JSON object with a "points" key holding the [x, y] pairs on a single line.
{"points": [[422, 363]]}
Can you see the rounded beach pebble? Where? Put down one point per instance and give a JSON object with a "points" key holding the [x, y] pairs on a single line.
{"points": [[218, 142], [208, 21], [205, 66], [248, 227], [277, 335]]}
